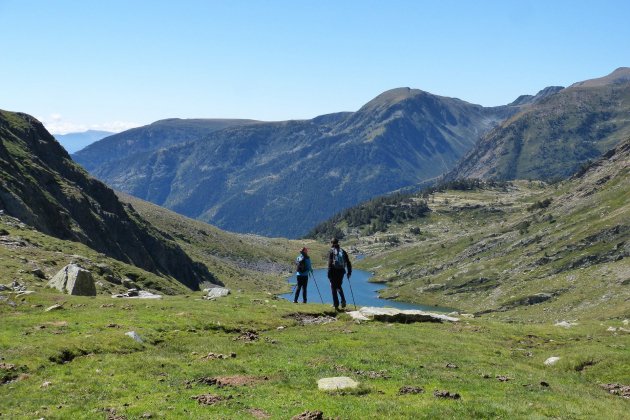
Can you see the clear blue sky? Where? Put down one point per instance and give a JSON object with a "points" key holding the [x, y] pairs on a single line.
{"points": [[111, 64]]}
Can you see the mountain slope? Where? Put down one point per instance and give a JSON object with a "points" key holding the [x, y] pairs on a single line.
{"points": [[41, 186], [554, 136], [151, 137], [520, 249], [281, 178]]}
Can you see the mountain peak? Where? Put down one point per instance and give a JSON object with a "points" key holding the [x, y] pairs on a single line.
{"points": [[391, 97], [619, 76]]}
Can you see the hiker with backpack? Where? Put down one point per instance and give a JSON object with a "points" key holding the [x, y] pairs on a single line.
{"points": [[302, 268], [338, 261]]}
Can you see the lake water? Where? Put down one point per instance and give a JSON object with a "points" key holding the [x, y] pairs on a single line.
{"points": [[365, 293]]}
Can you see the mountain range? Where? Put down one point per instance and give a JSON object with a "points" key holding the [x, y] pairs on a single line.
{"points": [[73, 142], [282, 178]]}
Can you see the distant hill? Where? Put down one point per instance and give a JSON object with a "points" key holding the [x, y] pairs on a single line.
{"points": [[553, 137], [45, 189], [281, 178], [74, 142], [149, 138]]}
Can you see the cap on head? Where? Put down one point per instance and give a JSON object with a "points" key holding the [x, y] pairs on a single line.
{"points": [[334, 241], [304, 250]]}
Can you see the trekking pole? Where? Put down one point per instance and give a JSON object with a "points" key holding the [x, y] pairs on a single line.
{"points": [[316, 286], [352, 293]]}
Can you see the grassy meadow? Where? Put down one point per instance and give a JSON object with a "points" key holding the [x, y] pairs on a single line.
{"points": [[77, 362]]}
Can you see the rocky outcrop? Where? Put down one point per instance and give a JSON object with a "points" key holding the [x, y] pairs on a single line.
{"points": [[368, 313], [74, 280]]}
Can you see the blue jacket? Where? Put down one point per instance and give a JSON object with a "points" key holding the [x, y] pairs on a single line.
{"points": [[309, 268]]}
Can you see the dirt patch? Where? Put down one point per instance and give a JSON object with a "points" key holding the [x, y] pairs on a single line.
{"points": [[583, 365], [209, 399], [311, 319], [372, 374], [410, 390], [234, 380], [618, 389], [309, 415], [446, 394], [259, 413]]}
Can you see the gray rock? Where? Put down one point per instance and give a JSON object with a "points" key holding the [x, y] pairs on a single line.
{"points": [[54, 307], [134, 335], [551, 361], [217, 292], [339, 382], [565, 324], [74, 280], [39, 273], [4, 288], [368, 313]]}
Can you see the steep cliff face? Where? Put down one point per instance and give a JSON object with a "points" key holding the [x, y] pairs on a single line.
{"points": [[43, 187]]}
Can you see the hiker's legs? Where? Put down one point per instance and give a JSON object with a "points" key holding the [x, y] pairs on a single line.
{"points": [[301, 285], [336, 279], [302, 282]]}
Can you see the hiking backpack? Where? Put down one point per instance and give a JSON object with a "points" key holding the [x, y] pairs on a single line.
{"points": [[300, 264], [338, 260]]}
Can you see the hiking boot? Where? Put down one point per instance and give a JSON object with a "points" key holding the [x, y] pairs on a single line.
{"points": [[336, 308], [343, 304], [295, 301]]}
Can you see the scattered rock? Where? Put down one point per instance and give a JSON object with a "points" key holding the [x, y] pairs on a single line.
{"points": [[368, 313], [309, 415], [137, 294], [410, 390], [74, 280], [39, 273], [146, 416], [551, 361], [209, 399], [446, 394], [213, 356], [452, 366], [335, 383], [618, 389], [503, 378], [134, 335], [486, 376], [46, 384], [55, 307], [248, 336], [216, 292], [544, 384], [565, 324]]}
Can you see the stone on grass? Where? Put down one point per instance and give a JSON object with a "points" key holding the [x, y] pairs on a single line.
{"points": [[55, 307], [565, 324], [551, 361], [367, 313], [335, 383], [134, 335], [217, 292], [74, 280]]}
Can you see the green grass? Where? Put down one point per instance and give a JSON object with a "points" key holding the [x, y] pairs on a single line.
{"points": [[111, 371]]}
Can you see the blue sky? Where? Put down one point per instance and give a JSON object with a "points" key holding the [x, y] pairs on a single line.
{"points": [[115, 64]]}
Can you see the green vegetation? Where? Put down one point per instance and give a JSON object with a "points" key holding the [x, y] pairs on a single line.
{"points": [[78, 363]]}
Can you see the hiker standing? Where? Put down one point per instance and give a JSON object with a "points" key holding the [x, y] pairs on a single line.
{"points": [[338, 261], [303, 267]]}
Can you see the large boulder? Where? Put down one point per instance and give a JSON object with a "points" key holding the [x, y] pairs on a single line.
{"points": [[74, 280], [368, 313], [216, 292]]}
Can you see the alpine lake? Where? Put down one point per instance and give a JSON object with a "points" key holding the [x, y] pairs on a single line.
{"points": [[358, 290]]}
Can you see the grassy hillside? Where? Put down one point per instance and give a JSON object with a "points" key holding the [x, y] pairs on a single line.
{"points": [[78, 363], [248, 262], [526, 250]]}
